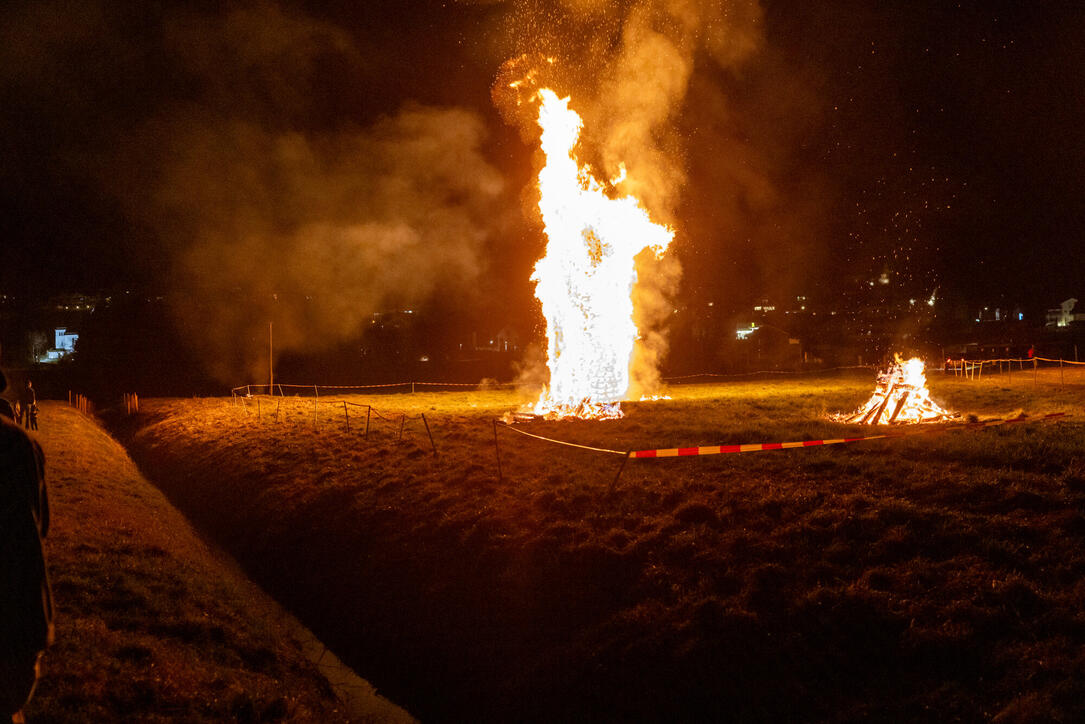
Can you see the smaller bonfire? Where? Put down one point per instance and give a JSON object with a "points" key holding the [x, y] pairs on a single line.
{"points": [[900, 398]]}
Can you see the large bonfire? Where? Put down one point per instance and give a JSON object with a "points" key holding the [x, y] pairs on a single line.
{"points": [[585, 281], [900, 397]]}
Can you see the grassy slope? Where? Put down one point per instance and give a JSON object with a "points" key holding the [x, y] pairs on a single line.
{"points": [[935, 577], [150, 627]]}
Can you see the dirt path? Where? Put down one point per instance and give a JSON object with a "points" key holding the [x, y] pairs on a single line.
{"points": [[152, 625]]}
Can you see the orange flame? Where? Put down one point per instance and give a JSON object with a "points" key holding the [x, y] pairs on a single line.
{"points": [[900, 397], [585, 280]]}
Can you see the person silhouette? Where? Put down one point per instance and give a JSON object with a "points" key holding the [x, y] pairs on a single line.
{"points": [[26, 602], [30, 406]]}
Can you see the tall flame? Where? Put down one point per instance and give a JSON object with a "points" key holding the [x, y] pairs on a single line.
{"points": [[585, 280]]}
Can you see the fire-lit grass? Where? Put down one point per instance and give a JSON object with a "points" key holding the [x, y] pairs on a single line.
{"points": [[933, 577], [150, 625]]}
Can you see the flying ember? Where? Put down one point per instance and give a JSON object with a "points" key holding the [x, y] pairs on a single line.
{"points": [[900, 397], [585, 280]]}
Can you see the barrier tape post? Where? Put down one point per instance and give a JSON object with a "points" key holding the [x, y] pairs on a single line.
{"points": [[497, 452], [257, 410], [368, 410], [614, 482], [402, 422], [346, 416], [430, 435]]}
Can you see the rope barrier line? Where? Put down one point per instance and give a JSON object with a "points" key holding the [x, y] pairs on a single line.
{"points": [[563, 442], [769, 372], [953, 364], [250, 387], [763, 446]]}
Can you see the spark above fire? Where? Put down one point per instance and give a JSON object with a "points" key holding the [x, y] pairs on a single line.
{"points": [[586, 278]]}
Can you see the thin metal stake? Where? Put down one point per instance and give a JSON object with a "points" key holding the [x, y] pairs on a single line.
{"points": [[497, 452], [402, 422], [368, 409], [346, 416], [430, 434], [621, 467]]}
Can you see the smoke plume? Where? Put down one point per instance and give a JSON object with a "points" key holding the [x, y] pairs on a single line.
{"points": [[317, 234], [273, 214]]}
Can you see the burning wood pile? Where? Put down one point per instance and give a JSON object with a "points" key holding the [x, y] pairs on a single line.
{"points": [[901, 397]]}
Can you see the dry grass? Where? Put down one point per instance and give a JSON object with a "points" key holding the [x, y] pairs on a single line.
{"points": [[150, 626], [936, 577]]}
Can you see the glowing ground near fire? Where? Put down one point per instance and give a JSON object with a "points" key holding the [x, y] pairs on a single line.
{"points": [[813, 584]]}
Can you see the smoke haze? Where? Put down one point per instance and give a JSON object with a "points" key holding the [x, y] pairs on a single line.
{"points": [[317, 234], [260, 197]]}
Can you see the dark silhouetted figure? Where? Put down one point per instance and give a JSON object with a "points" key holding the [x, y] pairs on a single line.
{"points": [[30, 405], [26, 603]]}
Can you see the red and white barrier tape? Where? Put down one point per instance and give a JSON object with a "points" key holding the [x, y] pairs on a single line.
{"points": [[758, 447], [673, 452]]}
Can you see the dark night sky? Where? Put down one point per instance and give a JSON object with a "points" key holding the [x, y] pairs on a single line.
{"points": [[945, 140]]}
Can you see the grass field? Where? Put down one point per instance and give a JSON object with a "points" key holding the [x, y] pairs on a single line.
{"points": [[938, 577], [151, 625]]}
